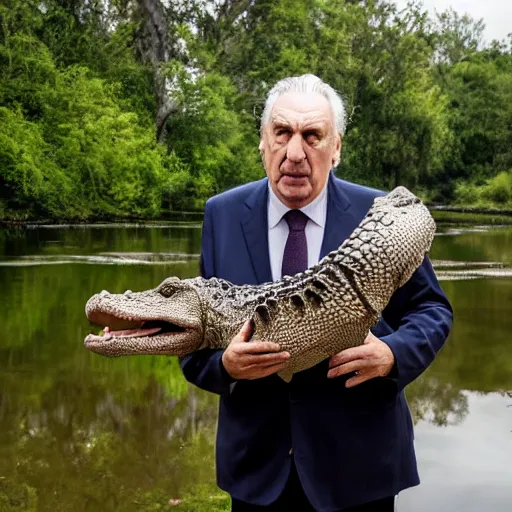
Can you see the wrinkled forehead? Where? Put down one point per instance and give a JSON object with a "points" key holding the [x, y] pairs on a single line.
{"points": [[299, 109]]}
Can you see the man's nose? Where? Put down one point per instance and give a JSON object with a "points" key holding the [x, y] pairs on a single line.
{"points": [[294, 149]]}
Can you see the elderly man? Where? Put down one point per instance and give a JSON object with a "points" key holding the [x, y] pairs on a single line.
{"points": [[339, 436]]}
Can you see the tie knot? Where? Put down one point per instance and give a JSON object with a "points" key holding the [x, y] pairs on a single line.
{"points": [[296, 220]]}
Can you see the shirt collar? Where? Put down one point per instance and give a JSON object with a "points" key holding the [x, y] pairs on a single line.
{"points": [[316, 210]]}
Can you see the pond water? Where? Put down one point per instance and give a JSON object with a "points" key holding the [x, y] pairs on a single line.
{"points": [[80, 432]]}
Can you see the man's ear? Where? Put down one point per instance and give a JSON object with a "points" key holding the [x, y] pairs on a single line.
{"points": [[337, 150], [260, 147]]}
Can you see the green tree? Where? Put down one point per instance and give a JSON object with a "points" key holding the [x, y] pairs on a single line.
{"points": [[90, 85], [220, 148]]}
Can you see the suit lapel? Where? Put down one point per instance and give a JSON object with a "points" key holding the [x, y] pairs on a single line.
{"points": [[340, 221], [255, 228]]}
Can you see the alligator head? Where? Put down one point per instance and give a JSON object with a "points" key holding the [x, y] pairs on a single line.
{"points": [[168, 319]]}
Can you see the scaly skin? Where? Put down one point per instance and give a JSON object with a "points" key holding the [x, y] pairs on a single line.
{"points": [[312, 315]]}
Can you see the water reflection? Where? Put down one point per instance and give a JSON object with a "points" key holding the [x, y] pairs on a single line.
{"points": [[465, 467], [81, 432], [489, 244], [120, 258], [439, 403], [80, 240]]}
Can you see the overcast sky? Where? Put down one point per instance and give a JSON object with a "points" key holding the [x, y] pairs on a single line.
{"points": [[497, 14]]}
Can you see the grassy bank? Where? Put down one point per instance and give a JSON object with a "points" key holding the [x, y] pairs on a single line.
{"points": [[445, 215], [472, 216], [171, 216]]}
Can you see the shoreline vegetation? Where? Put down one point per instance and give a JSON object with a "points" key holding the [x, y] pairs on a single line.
{"points": [[442, 215], [141, 109], [170, 217], [471, 215]]}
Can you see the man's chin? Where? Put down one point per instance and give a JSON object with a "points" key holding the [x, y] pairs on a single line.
{"points": [[295, 196]]}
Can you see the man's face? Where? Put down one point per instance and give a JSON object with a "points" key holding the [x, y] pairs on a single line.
{"points": [[299, 145]]}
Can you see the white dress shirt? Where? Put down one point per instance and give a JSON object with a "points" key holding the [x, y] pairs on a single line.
{"points": [[278, 229]]}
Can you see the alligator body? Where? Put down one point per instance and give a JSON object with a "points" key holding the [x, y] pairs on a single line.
{"points": [[312, 315]]}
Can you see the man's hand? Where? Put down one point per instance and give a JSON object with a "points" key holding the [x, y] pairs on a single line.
{"points": [[372, 359], [244, 360]]}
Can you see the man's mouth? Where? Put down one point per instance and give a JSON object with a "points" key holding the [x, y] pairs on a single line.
{"points": [[294, 178]]}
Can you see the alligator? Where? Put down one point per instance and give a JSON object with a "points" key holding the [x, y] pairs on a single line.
{"points": [[312, 315]]}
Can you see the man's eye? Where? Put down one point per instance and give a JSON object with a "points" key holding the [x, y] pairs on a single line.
{"points": [[282, 131], [311, 136]]}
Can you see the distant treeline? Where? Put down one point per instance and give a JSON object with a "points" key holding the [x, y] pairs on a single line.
{"points": [[115, 108]]}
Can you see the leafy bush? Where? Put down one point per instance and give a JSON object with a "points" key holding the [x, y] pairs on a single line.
{"points": [[466, 194], [219, 146], [495, 192], [82, 154], [499, 189], [31, 182]]}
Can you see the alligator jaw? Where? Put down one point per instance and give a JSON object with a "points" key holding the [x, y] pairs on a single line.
{"points": [[138, 336], [112, 346]]}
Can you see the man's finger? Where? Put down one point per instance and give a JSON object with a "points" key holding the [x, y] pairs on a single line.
{"points": [[265, 359], [349, 354], [258, 347], [349, 367], [246, 331], [359, 379], [259, 372]]}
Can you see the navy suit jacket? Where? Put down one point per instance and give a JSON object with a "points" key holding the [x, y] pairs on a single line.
{"points": [[350, 446]]}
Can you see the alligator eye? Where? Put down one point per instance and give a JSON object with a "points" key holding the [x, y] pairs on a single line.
{"points": [[168, 287], [166, 291]]}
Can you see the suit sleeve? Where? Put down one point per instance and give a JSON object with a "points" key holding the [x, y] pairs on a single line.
{"points": [[420, 318], [204, 368]]}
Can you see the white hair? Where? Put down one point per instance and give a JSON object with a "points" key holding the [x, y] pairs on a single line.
{"points": [[306, 84]]}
